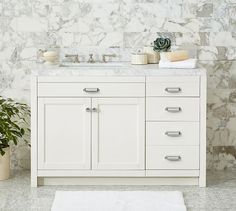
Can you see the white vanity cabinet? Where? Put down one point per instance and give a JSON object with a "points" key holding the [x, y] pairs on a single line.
{"points": [[89, 128], [118, 129]]}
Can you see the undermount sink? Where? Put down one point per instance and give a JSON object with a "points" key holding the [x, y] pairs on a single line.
{"points": [[97, 64]]}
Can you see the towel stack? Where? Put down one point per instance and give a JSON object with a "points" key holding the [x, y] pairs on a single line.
{"points": [[177, 59]]}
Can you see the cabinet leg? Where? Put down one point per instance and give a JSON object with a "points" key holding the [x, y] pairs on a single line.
{"points": [[34, 181], [202, 182]]}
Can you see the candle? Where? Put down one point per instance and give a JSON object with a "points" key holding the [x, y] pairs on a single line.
{"points": [[152, 56]]}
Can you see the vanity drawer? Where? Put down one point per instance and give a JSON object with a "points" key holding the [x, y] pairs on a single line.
{"points": [[172, 109], [172, 86], [172, 157], [172, 133], [91, 89]]}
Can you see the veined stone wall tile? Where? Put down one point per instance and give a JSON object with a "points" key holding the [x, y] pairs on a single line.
{"points": [[220, 9], [221, 115], [183, 25], [232, 11], [216, 53], [207, 28], [209, 157], [222, 39], [99, 38], [206, 1], [193, 39], [41, 9], [204, 38], [189, 10], [63, 17], [31, 24], [231, 53], [220, 73], [6, 76], [224, 157], [158, 10], [212, 53], [204, 10], [15, 8], [214, 24], [138, 39], [1, 8]]}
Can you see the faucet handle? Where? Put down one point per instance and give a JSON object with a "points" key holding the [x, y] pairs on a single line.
{"points": [[40, 53], [91, 60]]}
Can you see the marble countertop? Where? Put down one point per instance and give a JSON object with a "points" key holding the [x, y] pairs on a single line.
{"points": [[126, 70]]}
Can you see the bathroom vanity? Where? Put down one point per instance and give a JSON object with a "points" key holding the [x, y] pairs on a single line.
{"points": [[118, 125]]}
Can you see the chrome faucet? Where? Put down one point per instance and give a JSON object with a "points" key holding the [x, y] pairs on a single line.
{"points": [[107, 55], [75, 57]]}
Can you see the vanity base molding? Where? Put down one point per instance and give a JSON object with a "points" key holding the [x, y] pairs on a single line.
{"points": [[150, 177], [118, 181], [110, 173]]}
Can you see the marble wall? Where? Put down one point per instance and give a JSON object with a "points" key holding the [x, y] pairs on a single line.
{"points": [[89, 26]]}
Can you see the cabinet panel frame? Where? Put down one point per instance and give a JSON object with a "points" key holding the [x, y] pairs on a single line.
{"points": [[140, 164], [42, 102]]}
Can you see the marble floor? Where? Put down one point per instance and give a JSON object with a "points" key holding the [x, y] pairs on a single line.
{"points": [[220, 195]]}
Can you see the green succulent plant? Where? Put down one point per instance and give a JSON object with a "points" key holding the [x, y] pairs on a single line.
{"points": [[162, 44], [14, 124]]}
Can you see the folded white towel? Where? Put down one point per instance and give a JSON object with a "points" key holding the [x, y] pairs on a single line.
{"points": [[188, 64]]}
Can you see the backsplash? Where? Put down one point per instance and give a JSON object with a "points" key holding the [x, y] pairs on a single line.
{"points": [[206, 27]]}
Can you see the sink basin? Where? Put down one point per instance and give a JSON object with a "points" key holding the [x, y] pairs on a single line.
{"points": [[96, 65]]}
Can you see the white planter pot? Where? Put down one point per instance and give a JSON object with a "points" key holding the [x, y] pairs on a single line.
{"points": [[5, 165]]}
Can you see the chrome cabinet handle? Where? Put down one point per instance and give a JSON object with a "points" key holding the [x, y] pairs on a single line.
{"points": [[173, 89], [94, 109], [173, 158], [91, 89], [173, 133], [173, 109], [91, 110], [88, 109]]}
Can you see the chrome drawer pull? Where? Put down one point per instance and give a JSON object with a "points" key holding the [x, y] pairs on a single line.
{"points": [[173, 109], [173, 133], [88, 109], [173, 89], [173, 158], [91, 89]]}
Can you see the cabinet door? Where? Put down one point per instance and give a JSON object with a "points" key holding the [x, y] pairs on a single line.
{"points": [[118, 136], [64, 133]]}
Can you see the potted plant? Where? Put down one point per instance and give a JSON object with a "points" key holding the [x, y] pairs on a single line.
{"points": [[161, 45], [14, 125]]}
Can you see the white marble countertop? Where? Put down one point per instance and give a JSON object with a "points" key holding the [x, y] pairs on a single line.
{"points": [[126, 70]]}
